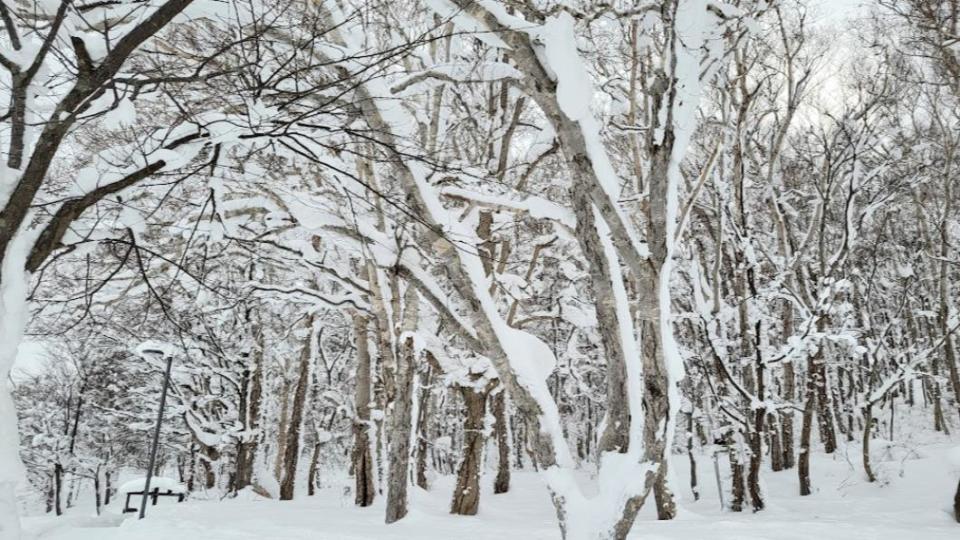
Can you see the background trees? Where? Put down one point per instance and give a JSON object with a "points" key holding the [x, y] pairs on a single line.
{"points": [[404, 238]]}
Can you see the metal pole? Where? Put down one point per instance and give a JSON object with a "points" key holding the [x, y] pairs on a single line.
{"points": [[716, 472], [156, 438]]}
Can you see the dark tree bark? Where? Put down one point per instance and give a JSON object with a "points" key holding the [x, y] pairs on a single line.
{"points": [[423, 425], [666, 506], [98, 496], [50, 495], [90, 82], [312, 475], [208, 456], [108, 488], [773, 440], [292, 450], [956, 503], [738, 489], [803, 463], [58, 488], [867, 430], [759, 428], [693, 461], [251, 397], [192, 469], [828, 433], [466, 494], [502, 483]]}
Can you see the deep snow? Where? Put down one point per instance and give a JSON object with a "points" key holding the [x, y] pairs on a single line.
{"points": [[914, 503]]}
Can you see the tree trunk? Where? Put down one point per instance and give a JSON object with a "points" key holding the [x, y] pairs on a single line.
{"points": [[51, 492], [693, 461], [666, 506], [803, 464], [284, 419], [208, 455], [867, 429], [786, 416], [502, 483], [399, 453], [108, 488], [738, 492], [776, 446], [97, 496], [828, 434], [362, 457], [615, 436], [656, 403], [756, 436], [385, 365], [58, 488], [192, 470], [939, 419], [401, 420], [292, 450], [423, 426], [466, 494], [253, 392], [312, 475], [956, 503]]}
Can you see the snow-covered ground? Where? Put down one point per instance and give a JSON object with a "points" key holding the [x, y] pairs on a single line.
{"points": [[913, 503]]}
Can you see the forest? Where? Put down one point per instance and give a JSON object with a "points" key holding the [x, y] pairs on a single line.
{"points": [[424, 269]]}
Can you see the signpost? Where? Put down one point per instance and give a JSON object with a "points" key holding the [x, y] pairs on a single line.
{"points": [[159, 353]]}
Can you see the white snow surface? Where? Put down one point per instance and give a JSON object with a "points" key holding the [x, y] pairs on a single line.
{"points": [[843, 507]]}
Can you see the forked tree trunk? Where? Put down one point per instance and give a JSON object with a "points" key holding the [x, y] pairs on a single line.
{"points": [[362, 457], [466, 494]]}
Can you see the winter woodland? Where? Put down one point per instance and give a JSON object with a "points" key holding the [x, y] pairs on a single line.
{"points": [[572, 269]]}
